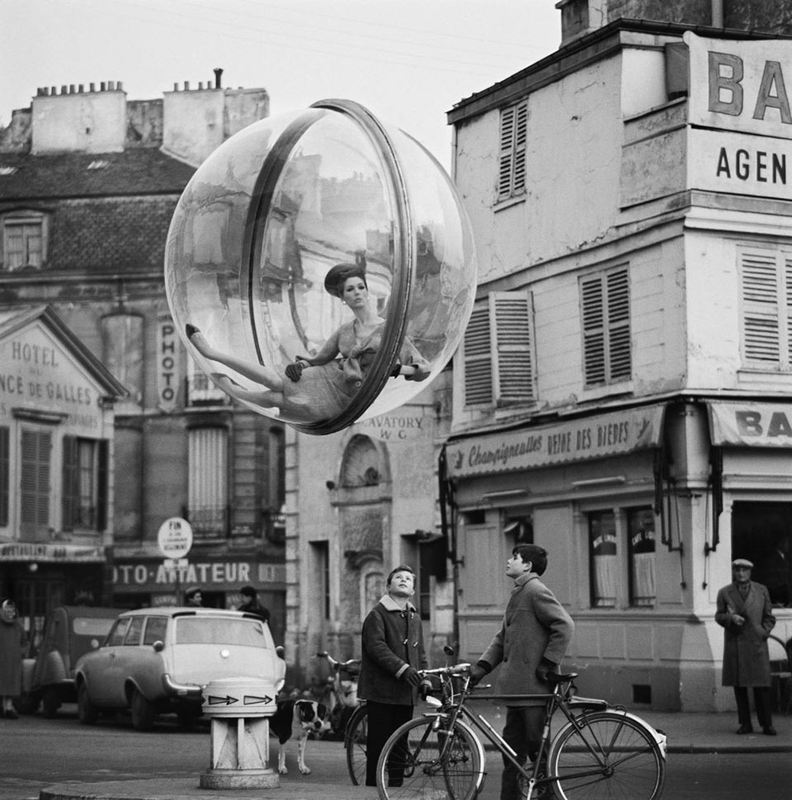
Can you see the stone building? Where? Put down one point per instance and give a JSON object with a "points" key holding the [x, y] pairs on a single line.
{"points": [[622, 394], [89, 180]]}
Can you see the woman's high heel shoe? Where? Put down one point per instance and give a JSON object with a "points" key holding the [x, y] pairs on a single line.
{"points": [[191, 330]]}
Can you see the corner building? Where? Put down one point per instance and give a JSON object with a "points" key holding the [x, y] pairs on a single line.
{"points": [[622, 394]]}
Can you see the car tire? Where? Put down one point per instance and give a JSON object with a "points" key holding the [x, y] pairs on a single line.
{"points": [[50, 701], [87, 712], [27, 703], [142, 712]]}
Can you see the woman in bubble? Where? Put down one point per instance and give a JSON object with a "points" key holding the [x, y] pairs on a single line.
{"points": [[320, 387]]}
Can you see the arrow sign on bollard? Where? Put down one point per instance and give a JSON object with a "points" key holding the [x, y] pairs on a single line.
{"points": [[253, 700], [227, 701]]}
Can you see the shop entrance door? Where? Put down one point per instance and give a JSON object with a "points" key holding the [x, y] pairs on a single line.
{"points": [[762, 533]]}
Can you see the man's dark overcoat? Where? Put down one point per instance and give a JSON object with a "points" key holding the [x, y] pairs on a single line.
{"points": [[746, 661]]}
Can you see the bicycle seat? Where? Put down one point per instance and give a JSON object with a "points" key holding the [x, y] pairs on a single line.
{"points": [[556, 677]]}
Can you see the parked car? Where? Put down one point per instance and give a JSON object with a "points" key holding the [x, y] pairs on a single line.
{"points": [[48, 677], [157, 661]]}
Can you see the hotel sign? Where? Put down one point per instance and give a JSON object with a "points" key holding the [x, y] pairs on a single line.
{"points": [[547, 445]]}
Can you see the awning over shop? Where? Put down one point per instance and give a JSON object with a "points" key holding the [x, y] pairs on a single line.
{"points": [[598, 436], [56, 553], [751, 424]]}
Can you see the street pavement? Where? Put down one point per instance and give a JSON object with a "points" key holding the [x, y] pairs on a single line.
{"points": [[688, 733]]}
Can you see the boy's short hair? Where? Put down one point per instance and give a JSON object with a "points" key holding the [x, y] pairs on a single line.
{"points": [[247, 591], [400, 568], [533, 553]]}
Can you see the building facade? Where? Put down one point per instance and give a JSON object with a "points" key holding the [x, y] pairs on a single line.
{"points": [[621, 396], [89, 181]]}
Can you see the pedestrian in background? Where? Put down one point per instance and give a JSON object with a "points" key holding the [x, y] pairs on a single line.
{"points": [[745, 612], [252, 605], [393, 652], [533, 638], [12, 645], [193, 597]]}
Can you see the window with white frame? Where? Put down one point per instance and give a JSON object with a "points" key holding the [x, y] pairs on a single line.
{"points": [[641, 550], [605, 310], [85, 477], [511, 151], [23, 241], [207, 490], [499, 352], [766, 307]]}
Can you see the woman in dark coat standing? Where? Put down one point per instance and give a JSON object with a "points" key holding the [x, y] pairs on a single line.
{"points": [[745, 613], [12, 643]]}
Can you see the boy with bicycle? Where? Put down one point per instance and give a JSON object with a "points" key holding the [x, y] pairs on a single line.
{"points": [[532, 641]]}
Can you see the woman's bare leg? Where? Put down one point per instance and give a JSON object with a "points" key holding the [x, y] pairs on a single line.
{"points": [[265, 399], [259, 373]]}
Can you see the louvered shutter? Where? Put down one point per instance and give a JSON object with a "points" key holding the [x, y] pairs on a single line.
{"points": [[35, 482], [619, 351], [478, 359], [761, 309], [69, 489], [512, 151], [593, 309], [513, 356], [5, 474], [605, 309]]}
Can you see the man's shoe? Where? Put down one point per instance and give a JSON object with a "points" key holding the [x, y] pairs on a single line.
{"points": [[769, 730], [744, 729]]}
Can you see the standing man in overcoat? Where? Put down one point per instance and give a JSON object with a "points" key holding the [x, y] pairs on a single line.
{"points": [[533, 638], [393, 652], [745, 612]]}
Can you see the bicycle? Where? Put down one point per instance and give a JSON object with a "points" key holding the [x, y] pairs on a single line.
{"points": [[599, 751], [348, 715]]}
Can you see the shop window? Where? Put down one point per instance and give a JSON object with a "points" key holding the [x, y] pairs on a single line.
{"points": [[23, 241], [762, 533], [207, 493], [641, 550], [603, 559], [512, 151], [35, 483], [5, 474], [605, 308], [499, 352], [766, 307], [85, 477]]}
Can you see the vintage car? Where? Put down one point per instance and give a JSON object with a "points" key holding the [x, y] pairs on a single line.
{"points": [[48, 677], [158, 661]]}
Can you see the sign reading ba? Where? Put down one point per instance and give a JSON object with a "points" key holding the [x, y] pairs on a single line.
{"points": [[175, 537]]}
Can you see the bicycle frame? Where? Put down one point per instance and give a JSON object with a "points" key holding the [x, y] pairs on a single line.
{"points": [[574, 710]]}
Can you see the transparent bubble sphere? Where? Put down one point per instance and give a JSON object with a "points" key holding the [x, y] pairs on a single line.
{"points": [[320, 267]]}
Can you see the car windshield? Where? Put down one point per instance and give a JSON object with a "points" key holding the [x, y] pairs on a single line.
{"points": [[219, 630], [91, 626]]}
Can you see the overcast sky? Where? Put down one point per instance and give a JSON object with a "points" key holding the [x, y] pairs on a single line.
{"points": [[408, 61]]}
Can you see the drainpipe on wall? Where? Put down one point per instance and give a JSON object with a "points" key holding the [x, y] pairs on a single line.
{"points": [[717, 13]]}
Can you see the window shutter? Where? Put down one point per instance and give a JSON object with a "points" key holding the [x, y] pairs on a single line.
{"points": [[103, 479], [35, 481], [70, 482], [593, 330], [5, 474], [513, 347], [759, 284], [619, 325], [478, 359], [512, 151], [605, 308]]}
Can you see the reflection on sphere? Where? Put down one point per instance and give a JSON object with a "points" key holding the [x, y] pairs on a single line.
{"points": [[256, 234]]}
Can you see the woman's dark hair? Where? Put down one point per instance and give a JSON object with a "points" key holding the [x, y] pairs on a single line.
{"points": [[338, 275], [533, 553]]}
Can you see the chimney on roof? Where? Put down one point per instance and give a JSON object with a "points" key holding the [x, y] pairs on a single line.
{"points": [[218, 78]]}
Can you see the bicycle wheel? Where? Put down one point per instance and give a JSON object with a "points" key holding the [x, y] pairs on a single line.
{"points": [[609, 756], [423, 760], [355, 738]]}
